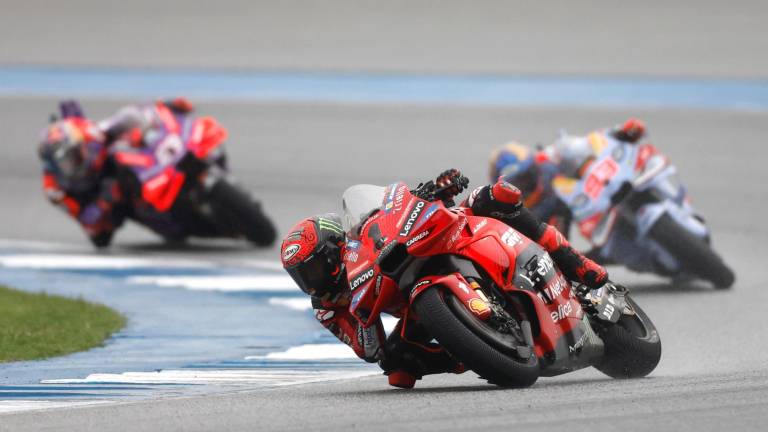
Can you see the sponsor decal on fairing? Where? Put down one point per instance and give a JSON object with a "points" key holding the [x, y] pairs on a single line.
{"points": [[478, 306], [395, 198], [361, 278], [357, 297], [414, 214], [426, 215], [351, 256], [545, 265], [480, 224], [555, 288], [579, 343], [511, 237], [455, 236], [463, 287], [608, 311], [416, 238], [419, 285], [562, 312]]}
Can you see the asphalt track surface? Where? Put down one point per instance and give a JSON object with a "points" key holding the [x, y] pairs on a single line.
{"points": [[714, 358], [714, 370], [707, 38]]}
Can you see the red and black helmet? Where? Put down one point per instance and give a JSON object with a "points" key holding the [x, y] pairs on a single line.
{"points": [[311, 254]]}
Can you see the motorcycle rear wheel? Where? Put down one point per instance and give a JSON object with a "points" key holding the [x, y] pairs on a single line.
{"points": [[632, 345], [693, 254], [245, 212], [472, 349]]}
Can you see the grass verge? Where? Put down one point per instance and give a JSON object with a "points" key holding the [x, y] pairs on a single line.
{"points": [[37, 326]]}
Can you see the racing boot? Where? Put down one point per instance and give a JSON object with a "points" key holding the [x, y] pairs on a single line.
{"points": [[503, 201], [571, 262], [401, 379], [406, 361]]}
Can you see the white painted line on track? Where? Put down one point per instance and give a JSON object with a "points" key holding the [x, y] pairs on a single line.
{"points": [[263, 264], [93, 262], [75, 256], [12, 406], [304, 304], [295, 303], [237, 377], [268, 283], [310, 352]]}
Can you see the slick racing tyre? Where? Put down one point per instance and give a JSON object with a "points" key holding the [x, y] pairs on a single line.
{"points": [[244, 212], [694, 254], [471, 343], [632, 345]]}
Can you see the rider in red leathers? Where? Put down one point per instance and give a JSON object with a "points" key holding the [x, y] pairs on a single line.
{"points": [[78, 175], [312, 253]]}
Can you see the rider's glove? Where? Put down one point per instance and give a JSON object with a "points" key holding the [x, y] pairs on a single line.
{"points": [[449, 184], [501, 200], [631, 131]]}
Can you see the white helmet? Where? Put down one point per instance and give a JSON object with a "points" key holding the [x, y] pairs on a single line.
{"points": [[571, 153]]}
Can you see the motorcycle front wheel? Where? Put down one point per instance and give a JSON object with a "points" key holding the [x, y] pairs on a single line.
{"points": [[632, 345], [472, 343]]}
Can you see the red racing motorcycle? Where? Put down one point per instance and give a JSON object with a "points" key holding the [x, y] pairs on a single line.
{"points": [[491, 297], [179, 183]]}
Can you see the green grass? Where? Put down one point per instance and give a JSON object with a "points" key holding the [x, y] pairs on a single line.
{"points": [[36, 326]]}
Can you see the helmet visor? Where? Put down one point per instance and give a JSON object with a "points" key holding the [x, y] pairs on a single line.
{"points": [[315, 275], [69, 161]]}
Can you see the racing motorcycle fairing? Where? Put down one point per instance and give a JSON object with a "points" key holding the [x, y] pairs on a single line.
{"points": [[176, 143], [629, 186], [206, 135], [161, 190], [408, 245], [461, 288]]}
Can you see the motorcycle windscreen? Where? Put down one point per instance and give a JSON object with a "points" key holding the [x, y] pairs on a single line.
{"points": [[358, 201]]}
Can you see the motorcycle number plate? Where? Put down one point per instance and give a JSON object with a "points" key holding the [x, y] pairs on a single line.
{"points": [[601, 174]]}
